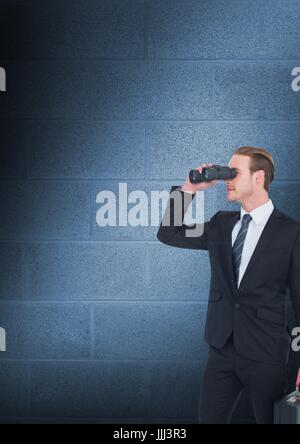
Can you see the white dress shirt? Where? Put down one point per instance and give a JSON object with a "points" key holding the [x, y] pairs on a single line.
{"points": [[260, 216]]}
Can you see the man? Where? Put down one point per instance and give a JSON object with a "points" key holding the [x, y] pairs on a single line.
{"points": [[254, 256]]}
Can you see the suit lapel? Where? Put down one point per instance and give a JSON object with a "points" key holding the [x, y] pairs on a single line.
{"points": [[228, 227], [268, 234], [266, 237]]}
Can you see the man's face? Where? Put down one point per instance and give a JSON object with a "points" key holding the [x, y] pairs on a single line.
{"points": [[243, 185]]}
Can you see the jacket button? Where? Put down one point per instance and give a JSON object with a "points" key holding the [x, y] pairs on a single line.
{"points": [[237, 306]]}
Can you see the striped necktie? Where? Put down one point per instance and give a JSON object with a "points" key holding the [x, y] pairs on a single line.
{"points": [[238, 245]]}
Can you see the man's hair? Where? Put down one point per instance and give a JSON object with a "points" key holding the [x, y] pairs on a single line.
{"points": [[261, 159]]}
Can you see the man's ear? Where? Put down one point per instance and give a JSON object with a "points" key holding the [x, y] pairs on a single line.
{"points": [[260, 176]]}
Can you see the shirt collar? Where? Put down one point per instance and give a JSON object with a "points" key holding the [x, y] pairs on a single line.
{"points": [[261, 213]]}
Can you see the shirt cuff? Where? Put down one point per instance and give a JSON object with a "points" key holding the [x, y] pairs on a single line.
{"points": [[186, 191]]}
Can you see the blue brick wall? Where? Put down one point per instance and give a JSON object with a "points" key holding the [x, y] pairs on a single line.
{"points": [[106, 324]]}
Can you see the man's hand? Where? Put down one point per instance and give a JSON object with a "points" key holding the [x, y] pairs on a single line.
{"points": [[298, 381], [193, 187]]}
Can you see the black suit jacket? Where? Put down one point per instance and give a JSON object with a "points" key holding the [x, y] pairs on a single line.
{"points": [[255, 312]]}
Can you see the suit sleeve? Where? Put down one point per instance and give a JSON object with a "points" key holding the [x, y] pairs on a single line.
{"points": [[173, 232], [294, 279]]}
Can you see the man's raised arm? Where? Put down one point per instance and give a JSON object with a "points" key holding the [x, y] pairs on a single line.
{"points": [[172, 231]]}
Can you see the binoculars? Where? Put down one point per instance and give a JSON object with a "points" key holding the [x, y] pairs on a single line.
{"points": [[215, 172]]}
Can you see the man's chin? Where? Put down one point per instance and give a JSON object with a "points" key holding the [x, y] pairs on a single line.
{"points": [[231, 197]]}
